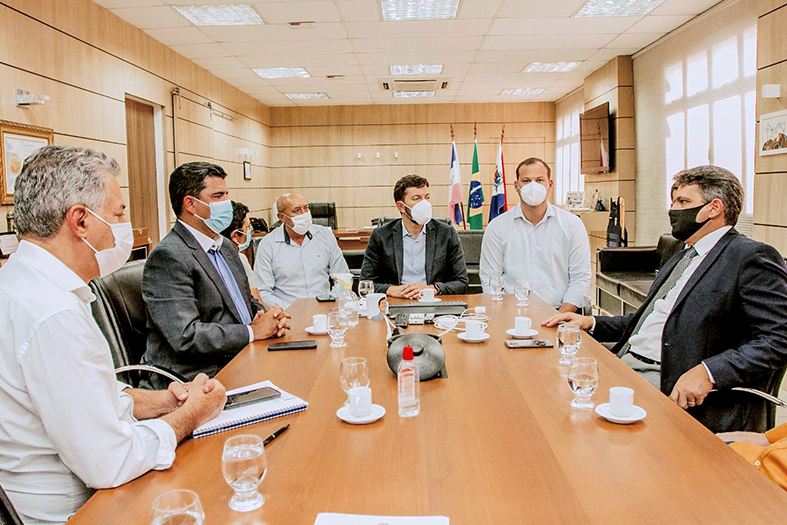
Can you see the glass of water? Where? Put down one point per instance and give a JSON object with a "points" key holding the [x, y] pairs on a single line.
{"points": [[177, 507], [365, 287], [354, 372], [568, 340], [244, 466], [348, 303], [496, 286], [583, 381], [522, 293], [338, 325]]}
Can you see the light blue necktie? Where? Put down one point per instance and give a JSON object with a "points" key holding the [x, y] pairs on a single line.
{"points": [[230, 283]]}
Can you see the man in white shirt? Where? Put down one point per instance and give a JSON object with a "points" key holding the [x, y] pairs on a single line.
{"points": [[296, 259], [539, 244], [68, 426], [716, 315]]}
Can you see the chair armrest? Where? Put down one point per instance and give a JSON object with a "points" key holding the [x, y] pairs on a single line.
{"points": [[147, 368]]}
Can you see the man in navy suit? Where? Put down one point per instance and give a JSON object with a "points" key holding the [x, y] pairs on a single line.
{"points": [[716, 315]]}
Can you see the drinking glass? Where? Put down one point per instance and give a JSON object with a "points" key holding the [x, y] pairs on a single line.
{"points": [[353, 372], [365, 287], [583, 381], [496, 285], [522, 292], [349, 305], [568, 340], [177, 507], [337, 327], [244, 466]]}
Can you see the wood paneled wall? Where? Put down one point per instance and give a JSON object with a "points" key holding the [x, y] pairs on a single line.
{"points": [[314, 150], [88, 61], [770, 181], [614, 83]]}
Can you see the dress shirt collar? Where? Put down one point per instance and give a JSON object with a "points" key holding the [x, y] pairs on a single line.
{"points": [[54, 269], [206, 242], [519, 214], [406, 233], [286, 237], [706, 244]]}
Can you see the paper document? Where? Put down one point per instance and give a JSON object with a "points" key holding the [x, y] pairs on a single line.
{"points": [[330, 518]]}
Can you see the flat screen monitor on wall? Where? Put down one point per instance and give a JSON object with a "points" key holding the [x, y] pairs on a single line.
{"points": [[594, 138]]}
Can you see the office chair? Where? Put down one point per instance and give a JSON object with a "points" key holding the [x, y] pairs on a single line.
{"points": [[8, 515], [324, 214], [120, 313]]}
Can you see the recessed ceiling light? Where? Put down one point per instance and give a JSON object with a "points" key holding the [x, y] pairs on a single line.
{"points": [[618, 7], [550, 67], [417, 69], [412, 94], [305, 96], [282, 72], [419, 9], [520, 92], [220, 15]]}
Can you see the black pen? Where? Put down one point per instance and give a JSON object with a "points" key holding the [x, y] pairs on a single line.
{"points": [[273, 436]]}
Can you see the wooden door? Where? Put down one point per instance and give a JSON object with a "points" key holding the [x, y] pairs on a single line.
{"points": [[141, 151]]}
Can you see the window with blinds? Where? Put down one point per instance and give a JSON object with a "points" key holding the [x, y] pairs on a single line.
{"points": [[695, 104], [567, 176]]}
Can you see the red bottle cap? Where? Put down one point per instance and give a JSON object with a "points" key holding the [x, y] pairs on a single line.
{"points": [[408, 353]]}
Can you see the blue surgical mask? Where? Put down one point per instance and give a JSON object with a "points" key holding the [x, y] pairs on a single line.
{"points": [[247, 242], [220, 215]]}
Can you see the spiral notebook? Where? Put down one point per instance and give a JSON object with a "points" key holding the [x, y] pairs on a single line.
{"points": [[254, 413]]}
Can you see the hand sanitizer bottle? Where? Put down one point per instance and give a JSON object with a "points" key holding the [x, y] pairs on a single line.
{"points": [[409, 385]]}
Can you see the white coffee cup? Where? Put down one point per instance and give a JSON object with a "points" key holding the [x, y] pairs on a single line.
{"points": [[474, 329], [360, 398], [427, 294], [320, 322], [374, 310], [621, 401], [522, 325]]}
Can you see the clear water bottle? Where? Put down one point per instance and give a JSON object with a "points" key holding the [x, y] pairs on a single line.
{"points": [[409, 385], [348, 303]]}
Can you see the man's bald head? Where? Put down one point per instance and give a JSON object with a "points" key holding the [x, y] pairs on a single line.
{"points": [[291, 204]]}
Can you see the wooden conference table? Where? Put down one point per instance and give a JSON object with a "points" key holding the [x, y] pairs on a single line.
{"points": [[496, 442]]}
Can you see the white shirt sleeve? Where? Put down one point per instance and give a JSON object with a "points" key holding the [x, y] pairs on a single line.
{"points": [[491, 263], [263, 267], [338, 264], [71, 383], [578, 266]]}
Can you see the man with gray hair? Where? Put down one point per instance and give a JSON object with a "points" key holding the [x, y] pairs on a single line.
{"points": [[716, 315], [296, 259], [68, 426]]}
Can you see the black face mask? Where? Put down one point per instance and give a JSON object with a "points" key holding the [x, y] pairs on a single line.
{"points": [[684, 222]]}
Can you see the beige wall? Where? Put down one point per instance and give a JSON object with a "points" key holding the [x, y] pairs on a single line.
{"points": [[314, 150], [88, 60], [770, 182]]}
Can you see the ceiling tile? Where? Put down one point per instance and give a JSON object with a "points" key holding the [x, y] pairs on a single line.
{"points": [[659, 24], [633, 40], [606, 54], [114, 4], [416, 45], [359, 10], [250, 49], [152, 17], [535, 55], [417, 29], [323, 71], [546, 42], [175, 36], [539, 8], [684, 7], [284, 12], [376, 69], [423, 57], [560, 26], [193, 51], [497, 67], [269, 33], [218, 63], [478, 9], [235, 74], [299, 60]]}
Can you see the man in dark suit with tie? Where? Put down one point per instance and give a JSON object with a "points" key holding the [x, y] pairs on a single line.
{"points": [[716, 315], [200, 309], [409, 254]]}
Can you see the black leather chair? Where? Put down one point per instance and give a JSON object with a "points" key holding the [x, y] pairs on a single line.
{"points": [[471, 246], [8, 515], [324, 214], [120, 313]]}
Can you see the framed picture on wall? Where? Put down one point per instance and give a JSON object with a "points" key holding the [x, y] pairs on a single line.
{"points": [[246, 170], [17, 142], [773, 133]]}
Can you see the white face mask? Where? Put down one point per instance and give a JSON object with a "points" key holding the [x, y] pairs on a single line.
{"points": [[113, 258], [421, 213], [533, 193], [301, 223]]}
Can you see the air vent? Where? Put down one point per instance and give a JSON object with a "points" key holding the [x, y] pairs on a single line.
{"points": [[414, 84]]}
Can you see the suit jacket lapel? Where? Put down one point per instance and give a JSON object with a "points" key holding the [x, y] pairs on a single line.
{"points": [[706, 263], [207, 266], [431, 242], [398, 249]]}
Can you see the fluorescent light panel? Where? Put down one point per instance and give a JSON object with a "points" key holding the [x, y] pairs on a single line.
{"points": [[282, 72], [220, 15], [413, 94], [417, 69], [550, 67], [305, 96], [521, 92], [419, 9], [618, 7]]}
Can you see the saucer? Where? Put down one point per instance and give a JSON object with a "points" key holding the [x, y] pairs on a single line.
{"points": [[311, 331], [344, 414], [527, 335], [637, 414], [463, 336], [429, 301]]}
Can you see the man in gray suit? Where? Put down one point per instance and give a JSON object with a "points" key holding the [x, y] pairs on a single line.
{"points": [[200, 309], [412, 253]]}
